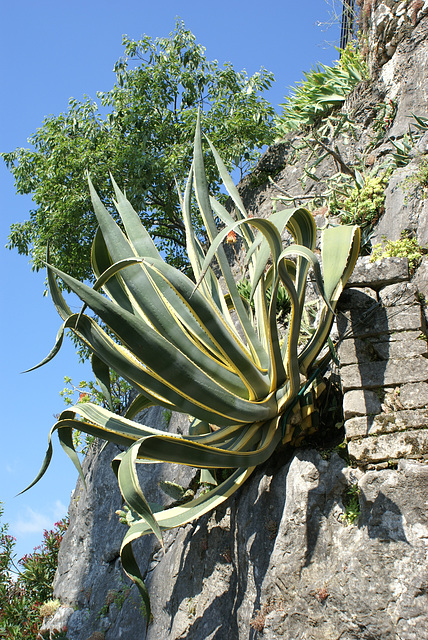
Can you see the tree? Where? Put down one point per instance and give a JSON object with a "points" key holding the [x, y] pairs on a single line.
{"points": [[23, 590], [142, 131]]}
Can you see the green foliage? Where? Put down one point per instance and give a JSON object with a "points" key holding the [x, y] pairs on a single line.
{"points": [[38, 568], [167, 415], [142, 130], [405, 247], [175, 490], [283, 303], [120, 397], [351, 503], [419, 180], [197, 348], [323, 89], [366, 203], [404, 146], [25, 585]]}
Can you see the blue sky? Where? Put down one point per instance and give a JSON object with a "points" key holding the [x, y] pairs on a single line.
{"points": [[51, 51]]}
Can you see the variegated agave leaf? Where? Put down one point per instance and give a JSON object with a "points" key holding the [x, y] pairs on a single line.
{"points": [[198, 347]]}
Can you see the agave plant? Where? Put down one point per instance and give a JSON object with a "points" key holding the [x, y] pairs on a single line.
{"points": [[196, 347], [323, 89]]}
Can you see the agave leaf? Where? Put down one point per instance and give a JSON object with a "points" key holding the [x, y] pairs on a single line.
{"points": [[138, 237], [340, 249], [131, 568], [57, 298], [203, 199], [140, 403], [159, 354], [102, 375], [131, 491], [101, 262], [52, 353]]}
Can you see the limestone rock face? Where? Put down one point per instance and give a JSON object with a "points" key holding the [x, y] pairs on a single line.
{"points": [[282, 556]]}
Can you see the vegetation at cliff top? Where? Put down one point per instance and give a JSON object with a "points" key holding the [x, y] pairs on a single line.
{"points": [[323, 89]]}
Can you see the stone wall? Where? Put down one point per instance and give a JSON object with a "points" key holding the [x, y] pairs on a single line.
{"points": [[384, 366], [387, 23]]}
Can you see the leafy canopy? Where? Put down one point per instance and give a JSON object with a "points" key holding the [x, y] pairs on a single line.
{"points": [[141, 130]]}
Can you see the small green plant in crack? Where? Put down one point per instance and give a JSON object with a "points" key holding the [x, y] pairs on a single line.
{"points": [[176, 491], [191, 607], [418, 180], [405, 247], [167, 415], [116, 597], [351, 503], [49, 607], [385, 114]]}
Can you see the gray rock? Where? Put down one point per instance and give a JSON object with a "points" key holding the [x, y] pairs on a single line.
{"points": [[414, 396], [378, 320], [421, 277], [364, 299], [89, 581], [398, 294], [400, 349], [380, 273], [384, 373], [360, 402], [390, 446], [292, 563], [280, 554], [400, 345], [369, 425]]}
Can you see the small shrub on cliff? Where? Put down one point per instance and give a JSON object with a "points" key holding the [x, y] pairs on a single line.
{"points": [[405, 247], [27, 584], [323, 89], [366, 203]]}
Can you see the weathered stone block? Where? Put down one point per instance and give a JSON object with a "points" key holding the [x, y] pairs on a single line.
{"points": [[380, 273], [414, 395], [355, 298], [398, 294], [411, 419], [354, 351], [361, 426], [380, 320], [406, 444], [371, 425], [360, 402], [384, 373], [386, 346], [421, 277], [399, 349]]}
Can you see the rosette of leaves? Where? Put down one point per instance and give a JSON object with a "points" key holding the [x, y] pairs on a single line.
{"points": [[323, 89], [197, 347]]}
